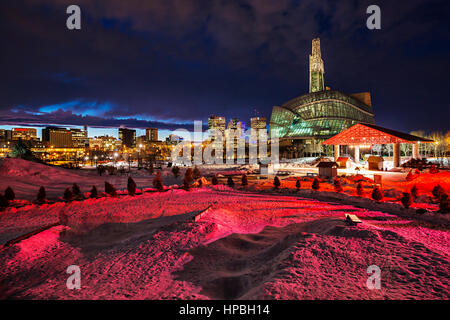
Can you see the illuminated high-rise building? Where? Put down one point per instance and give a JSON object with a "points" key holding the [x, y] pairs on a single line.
{"points": [[105, 143], [216, 123], [151, 134], [128, 137], [79, 138], [258, 123], [25, 134], [316, 68], [57, 137], [5, 137], [235, 126]]}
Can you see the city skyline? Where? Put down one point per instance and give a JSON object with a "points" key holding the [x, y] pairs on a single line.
{"points": [[114, 131]]}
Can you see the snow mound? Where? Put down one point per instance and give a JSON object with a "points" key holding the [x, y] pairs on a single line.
{"points": [[427, 181], [12, 167]]}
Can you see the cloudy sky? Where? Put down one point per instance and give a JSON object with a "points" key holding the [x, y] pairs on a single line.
{"points": [[166, 63]]}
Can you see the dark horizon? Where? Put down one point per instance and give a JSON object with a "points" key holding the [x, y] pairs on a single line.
{"points": [[167, 63]]}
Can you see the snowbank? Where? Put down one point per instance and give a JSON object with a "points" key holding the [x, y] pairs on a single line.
{"points": [[247, 246]]}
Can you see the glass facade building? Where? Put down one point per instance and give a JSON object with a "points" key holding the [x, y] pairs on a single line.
{"points": [[304, 122], [318, 115]]}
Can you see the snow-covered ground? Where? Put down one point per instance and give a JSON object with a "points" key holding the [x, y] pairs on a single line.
{"points": [[252, 243]]}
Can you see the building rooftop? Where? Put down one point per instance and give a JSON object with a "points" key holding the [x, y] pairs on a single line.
{"points": [[369, 134]]}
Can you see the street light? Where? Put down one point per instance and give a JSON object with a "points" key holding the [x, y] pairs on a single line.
{"points": [[139, 155], [115, 157], [435, 149]]}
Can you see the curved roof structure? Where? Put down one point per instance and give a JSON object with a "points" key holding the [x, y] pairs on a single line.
{"points": [[320, 115], [368, 134]]}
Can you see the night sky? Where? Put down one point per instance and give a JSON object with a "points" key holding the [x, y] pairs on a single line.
{"points": [[165, 63]]}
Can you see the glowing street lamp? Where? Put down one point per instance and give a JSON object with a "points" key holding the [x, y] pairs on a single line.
{"points": [[435, 149], [115, 157]]}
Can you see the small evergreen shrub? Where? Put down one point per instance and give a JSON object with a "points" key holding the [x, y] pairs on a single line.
{"points": [[176, 171], [9, 194], [414, 191], [157, 182], [131, 186], [244, 181], [68, 195], [434, 169], [298, 184], [276, 182], [110, 189], [406, 199], [76, 190], [360, 189], [94, 192], [186, 183], [215, 181], [438, 191], [41, 196], [337, 185], [376, 193], [230, 182], [444, 206], [4, 202], [316, 184]]}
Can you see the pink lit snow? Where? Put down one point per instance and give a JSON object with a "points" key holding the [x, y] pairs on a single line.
{"points": [[251, 244]]}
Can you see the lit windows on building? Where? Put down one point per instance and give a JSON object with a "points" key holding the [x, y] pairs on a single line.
{"points": [[79, 138], [258, 123], [57, 137], [128, 137], [104, 143], [151, 134], [5, 135], [25, 134], [216, 123]]}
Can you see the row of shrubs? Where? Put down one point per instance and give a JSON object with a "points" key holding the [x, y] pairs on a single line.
{"points": [[74, 193], [407, 197], [411, 176]]}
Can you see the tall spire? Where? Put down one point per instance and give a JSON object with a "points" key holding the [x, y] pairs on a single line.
{"points": [[316, 68]]}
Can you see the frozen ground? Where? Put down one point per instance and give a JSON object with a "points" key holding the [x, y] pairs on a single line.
{"points": [[250, 244]]}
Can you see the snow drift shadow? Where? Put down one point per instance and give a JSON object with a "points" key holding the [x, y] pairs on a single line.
{"points": [[308, 260], [100, 237], [231, 267]]}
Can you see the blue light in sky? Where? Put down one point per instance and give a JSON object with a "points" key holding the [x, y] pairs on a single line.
{"points": [[95, 132], [84, 108]]}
